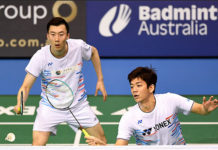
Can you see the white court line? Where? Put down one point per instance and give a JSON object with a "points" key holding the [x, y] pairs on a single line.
{"points": [[110, 123], [77, 138], [199, 123]]}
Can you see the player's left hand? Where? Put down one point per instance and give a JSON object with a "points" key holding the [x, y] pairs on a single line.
{"points": [[210, 105], [91, 140], [100, 86], [17, 109]]}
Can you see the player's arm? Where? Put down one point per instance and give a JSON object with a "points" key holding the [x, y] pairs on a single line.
{"points": [[121, 142], [94, 141], [97, 65], [26, 86], [206, 107], [91, 140]]}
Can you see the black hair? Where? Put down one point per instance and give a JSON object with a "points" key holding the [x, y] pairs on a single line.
{"points": [[56, 21], [147, 74]]}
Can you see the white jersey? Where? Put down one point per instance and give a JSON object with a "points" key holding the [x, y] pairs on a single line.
{"points": [[67, 69], [159, 127]]}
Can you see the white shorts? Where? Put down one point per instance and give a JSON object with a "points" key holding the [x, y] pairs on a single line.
{"points": [[48, 118]]}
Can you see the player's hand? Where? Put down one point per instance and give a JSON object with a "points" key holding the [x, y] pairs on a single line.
{"points": [[210, 105], [17, 109], [100, 86], [91, 140]]}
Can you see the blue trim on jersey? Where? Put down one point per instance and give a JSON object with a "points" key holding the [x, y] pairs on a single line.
{"points": [[138, 134], [44, 101], [83, 97], [80, 72]]}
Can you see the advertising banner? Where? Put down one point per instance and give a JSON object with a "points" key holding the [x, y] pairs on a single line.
{"points": [[23, 24], [153, 28]]}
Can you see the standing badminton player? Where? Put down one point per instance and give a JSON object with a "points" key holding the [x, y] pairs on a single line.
{"points": [[153, 120], [62, 60]]}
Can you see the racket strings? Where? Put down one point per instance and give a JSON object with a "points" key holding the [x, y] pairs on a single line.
{"points": [[59, 94]]}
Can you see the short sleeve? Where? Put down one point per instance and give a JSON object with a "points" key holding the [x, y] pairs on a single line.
{"points": [[124, 129], [35, 64], [183, 104], [86, 51]]}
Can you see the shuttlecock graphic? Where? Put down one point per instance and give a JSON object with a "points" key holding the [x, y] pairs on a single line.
{"points": [[10, 137], [108, 27]]}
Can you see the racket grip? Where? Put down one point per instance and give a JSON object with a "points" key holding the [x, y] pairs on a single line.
{"points": [[85, 132], [18, 110]]}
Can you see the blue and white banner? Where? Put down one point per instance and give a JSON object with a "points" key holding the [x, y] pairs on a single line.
{"points": [[153, 28]]}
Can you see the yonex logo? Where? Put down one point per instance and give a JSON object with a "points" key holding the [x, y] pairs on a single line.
{"points": [[147, 131], [50, 64], [139, 121], [108, 27]]}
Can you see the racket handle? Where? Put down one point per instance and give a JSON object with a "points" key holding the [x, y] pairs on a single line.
{"points": [[21, 105], [85, 132], [18, 110]]}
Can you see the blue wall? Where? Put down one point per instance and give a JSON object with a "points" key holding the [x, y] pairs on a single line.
{"points": [[182, 76]]}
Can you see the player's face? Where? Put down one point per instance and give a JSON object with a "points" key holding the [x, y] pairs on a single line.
{"points": [[140, 90], [57, 36]]}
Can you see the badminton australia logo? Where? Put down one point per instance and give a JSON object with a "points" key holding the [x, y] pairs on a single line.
{"points": [[115, 20]]}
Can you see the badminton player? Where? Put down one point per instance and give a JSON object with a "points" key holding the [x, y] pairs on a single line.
{"points": [[63, 60], [153, 120]]}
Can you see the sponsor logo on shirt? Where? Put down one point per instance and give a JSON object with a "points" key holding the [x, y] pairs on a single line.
{"points": [[139, 121], [157, 127], [58, 72], [163, 124], [50, 64], [147, 131], [66, 70]]}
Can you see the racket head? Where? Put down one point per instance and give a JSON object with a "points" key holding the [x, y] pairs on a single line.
{"points": [[21, 103], [59, 94]]}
